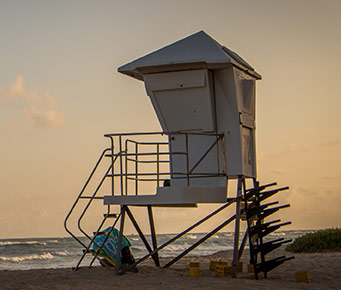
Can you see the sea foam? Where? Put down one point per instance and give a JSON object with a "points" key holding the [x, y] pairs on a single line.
{"points": [[45, 256]]}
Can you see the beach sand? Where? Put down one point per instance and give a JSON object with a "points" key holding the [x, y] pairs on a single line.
{"points": [[324, 271]]}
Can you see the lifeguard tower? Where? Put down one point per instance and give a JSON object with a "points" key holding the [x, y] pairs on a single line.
{"points": [[204, 97]]}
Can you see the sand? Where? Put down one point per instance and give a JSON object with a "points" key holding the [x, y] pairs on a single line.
{"points": [[324, 271]]}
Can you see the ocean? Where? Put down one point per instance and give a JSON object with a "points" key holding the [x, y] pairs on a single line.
{"points": [[43, 253]]}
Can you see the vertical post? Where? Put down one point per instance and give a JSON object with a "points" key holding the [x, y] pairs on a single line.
{"points": [[136, 169], [120, 237], [121, 164], [153, 234], [126, 167], [250, 222], [158, 164], [246, 235], [112, 166], [237, 226]]}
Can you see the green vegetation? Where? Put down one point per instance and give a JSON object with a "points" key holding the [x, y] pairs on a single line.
{"points": [[322, 241]]}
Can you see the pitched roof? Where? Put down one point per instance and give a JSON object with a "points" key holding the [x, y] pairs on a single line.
{"points": [[198, 48]]}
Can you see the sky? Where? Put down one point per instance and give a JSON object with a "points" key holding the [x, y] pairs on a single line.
{"points": [[60, 92]]}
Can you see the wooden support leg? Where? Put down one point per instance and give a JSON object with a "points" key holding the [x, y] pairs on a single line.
{"points": [[153, 234], [237, 227], [120, 237]]}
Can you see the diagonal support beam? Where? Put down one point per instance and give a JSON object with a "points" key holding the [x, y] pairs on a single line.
{"points": [[201, 241], [184, 232], [142, 236]]}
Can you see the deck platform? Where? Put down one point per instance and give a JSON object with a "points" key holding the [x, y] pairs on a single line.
{"points": [[172, 196]]}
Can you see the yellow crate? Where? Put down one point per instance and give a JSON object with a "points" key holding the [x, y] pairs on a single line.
{"points": [[228, 271], [195, 272], [219, 270], [194, 264], [302, 277], [213, 264]]}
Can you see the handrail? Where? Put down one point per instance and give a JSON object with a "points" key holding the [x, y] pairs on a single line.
{"points": [[80, 194], [163, 133], [93, 196], [132, 153], [138, 161], [134, 134]]}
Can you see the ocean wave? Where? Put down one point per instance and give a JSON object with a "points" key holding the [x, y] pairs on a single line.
{"points": [[62, 253], [278, 234], [175, 247], [21, 243], [45, 256], [192, 237], [66, 253]]}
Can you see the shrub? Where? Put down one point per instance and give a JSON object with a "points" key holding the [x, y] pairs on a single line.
{"points": [[322, 241]]}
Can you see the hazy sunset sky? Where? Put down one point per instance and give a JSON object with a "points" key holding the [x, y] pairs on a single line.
{"points": [[60, 92]]}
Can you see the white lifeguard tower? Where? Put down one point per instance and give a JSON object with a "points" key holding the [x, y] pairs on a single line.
{"points": [[204, 97]]}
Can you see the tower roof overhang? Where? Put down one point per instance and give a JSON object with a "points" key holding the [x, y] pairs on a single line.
{"points": [[196, 51]]}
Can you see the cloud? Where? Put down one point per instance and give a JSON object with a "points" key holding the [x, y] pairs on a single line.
{"points": [[44, 118], [39, 107]]}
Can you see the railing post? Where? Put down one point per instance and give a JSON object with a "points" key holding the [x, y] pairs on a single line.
{"points": [[126, 167], [136, 169], [112, 166], [170, 156], [158, 164], [121, 165]]}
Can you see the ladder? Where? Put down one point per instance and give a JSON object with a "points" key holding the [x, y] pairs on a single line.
{"points": [[256, 212]]}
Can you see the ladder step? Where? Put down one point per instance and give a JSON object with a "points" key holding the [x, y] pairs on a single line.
{"points": [[257, 190], [267, 194], [100, 234], [92, 197], [254, 210], [271, 229], [271, 264], [268, 247], [272, 210], [110, 215], [261, 227]]}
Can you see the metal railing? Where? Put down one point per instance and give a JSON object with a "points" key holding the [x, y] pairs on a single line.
{"points": [[142, 160], [134, 154]]}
